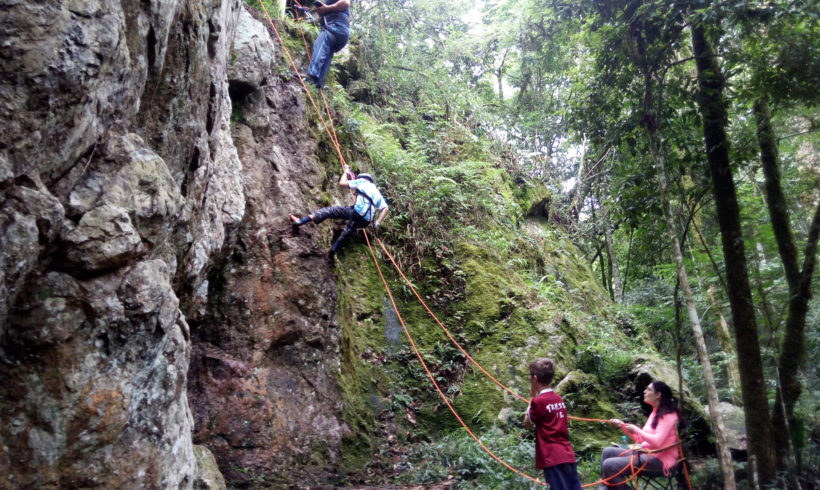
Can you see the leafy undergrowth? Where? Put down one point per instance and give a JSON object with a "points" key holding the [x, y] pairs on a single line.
{"points": [[509, 287], [507, 283], [459, 459]]}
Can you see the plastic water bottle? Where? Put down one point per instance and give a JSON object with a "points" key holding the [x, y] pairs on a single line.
{"points": [[624, 443]]}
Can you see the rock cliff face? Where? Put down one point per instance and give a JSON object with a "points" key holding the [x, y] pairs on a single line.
{"points": [[144, 252], [263, 372]]}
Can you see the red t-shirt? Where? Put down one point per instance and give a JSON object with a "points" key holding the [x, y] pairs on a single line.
{"points": [[549, 414]]}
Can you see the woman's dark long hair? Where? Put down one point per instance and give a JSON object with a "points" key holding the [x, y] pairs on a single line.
{"points": [[667, 403]]}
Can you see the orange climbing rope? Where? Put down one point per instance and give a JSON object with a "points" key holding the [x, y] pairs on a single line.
{"points": [[334, 139], [430, 375], [453, 340], [299, 24], [302, 82]]}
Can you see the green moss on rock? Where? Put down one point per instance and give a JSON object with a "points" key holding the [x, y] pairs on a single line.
{"points": [[586, 397], [521, 291]]}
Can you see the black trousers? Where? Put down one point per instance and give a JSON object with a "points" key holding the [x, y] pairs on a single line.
{"points": [[355, 221]]}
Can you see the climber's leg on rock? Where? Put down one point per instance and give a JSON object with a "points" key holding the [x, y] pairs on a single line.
{"points": [[296, 221], [333, 212], [355, 222]]}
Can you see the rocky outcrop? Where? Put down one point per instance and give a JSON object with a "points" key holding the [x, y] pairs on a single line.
{"points": [[263, 374], [118, 179], [149, 155]]}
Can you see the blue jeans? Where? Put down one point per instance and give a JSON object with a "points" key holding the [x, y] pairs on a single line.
{"points": [[332, 38]]}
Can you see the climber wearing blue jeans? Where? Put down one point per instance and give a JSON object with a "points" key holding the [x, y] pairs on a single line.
{"points": [[335, 18]]}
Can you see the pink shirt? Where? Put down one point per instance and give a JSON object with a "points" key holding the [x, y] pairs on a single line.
{"points": [[663, 435]]}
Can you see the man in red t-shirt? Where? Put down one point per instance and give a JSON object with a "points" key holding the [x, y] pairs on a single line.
{"points": [[547, 412]]}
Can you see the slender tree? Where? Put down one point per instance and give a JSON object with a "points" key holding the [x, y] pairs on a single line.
{"points": [[713, 112], [793, 348], [649, 61], [726, 343], [718, 427], [724, 334]]}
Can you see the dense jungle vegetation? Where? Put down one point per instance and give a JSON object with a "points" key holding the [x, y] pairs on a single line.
{"points": [[675, 144]]}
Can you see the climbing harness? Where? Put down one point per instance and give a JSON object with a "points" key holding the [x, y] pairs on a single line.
{"points": [[371, 208], [334, 139]]}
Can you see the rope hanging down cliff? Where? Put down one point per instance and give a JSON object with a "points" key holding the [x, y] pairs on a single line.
{"points": [[334, 139]]}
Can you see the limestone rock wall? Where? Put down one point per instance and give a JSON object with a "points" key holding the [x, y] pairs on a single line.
{"points": [[136, 229]]}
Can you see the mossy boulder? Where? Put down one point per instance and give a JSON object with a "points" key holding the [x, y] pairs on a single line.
{"points": [[586, 397], [534, 199], [650, 367]]}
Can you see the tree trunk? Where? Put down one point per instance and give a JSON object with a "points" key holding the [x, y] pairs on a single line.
{"points": [[613, 259], [725, 339], [793, 349], [700, 342], [500, 77], [715, 268], [606, 258], [722, 327], [758, 261], [604, 278], [775, 199], [615, 272], [678, 343], [753, 385], [615, 291], [628, 260]]}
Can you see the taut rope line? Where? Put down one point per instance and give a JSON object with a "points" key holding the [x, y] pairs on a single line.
{"points": [[334, 139], [430, 375]]}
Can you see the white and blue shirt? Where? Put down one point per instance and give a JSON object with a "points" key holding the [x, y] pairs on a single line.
{"points": [[362, 205]]}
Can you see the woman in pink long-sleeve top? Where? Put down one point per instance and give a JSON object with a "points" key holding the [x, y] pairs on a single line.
{"points": [[658, 433]]}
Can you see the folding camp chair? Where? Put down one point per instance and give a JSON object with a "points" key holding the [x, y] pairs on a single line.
{"points": [[677, 479], [659, 481]]}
